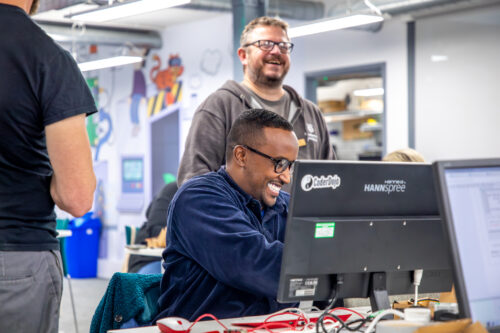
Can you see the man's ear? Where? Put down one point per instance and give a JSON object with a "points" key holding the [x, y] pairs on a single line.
{"points": [[242, 54], [240, 156]]}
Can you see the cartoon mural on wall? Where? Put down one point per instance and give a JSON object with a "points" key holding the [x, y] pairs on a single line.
{"points": [[139, 89], [99, 125], [103, 131], [167, 83], [211, 60], [91, 123]]}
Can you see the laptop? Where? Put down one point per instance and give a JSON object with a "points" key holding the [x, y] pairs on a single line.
{"points": [[469, 198]]}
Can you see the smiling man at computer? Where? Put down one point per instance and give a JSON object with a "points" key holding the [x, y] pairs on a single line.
{"points": [[225, 229]]}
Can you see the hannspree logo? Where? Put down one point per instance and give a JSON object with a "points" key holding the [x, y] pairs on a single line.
{"points": [[388, 186], [313, 182]]}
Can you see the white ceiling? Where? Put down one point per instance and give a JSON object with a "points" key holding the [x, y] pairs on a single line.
{"points": [[164, 18], [157, 20]]}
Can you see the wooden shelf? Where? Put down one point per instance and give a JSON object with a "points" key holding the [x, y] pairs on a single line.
{"points": [[349, 115]]}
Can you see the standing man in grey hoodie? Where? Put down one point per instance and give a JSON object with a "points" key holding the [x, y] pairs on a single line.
{"points": [[265, 55]]}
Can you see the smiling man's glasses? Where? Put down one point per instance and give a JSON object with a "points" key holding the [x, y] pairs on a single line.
{"points": [[268, 45], [280, 164]]}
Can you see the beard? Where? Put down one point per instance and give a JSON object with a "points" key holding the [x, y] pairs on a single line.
{"points": [[257, 75], [34, 7], [268, 81]]}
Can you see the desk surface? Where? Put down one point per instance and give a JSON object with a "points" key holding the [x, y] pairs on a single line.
{"points": [[150, 252], [61, 233], [212, 325]]}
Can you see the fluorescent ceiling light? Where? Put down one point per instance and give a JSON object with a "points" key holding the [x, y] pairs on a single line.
{"points": [[368, 92], [333, 24], [439, 58], [108, 62], [113, 12]]}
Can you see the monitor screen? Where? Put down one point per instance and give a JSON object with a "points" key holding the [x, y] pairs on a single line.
{"points": [[132, 174], [471, 206], [373, 223]]}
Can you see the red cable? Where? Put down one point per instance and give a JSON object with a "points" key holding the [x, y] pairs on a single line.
{"points": [[299, 316], [204, 316], [348, 310], [296, 321], [270, 325]]}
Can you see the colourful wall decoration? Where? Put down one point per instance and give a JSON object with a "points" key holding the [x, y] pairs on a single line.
{"points": [[104, 129], [92, 119], [167, 83]]}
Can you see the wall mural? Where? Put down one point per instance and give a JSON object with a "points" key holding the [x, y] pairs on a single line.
{"points": [[91, 124], [139, 89], [167, 83], [99, 125], [211, 61], [103, 131]]}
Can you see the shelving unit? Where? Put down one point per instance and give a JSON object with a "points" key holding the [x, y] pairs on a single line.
{"points": [[371, 127], [349, 115]]}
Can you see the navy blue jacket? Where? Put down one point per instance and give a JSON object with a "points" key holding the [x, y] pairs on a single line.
{"points": [[222, 256]]}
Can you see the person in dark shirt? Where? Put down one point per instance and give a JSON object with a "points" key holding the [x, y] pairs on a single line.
{"points": [[157, 220], [225, 229], [45, 158]]}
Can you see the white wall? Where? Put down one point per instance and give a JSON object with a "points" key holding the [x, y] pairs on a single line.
{"points": [[347, 48], [206, 50], [457, 100]]}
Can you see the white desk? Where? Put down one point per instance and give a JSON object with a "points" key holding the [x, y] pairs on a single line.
{"points": [[62, 233], [150, 252], [212, 325]]}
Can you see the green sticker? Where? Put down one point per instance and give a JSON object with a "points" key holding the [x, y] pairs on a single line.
{"points": [[325, 230]]}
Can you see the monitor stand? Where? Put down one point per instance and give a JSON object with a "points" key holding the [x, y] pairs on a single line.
{"points": [[306, 305], [379, 297]]}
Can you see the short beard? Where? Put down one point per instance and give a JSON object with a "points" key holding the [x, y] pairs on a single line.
{"points": [[34, 7], [269, 82]]}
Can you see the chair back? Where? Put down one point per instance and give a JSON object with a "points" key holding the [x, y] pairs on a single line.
{"points": [[128, 296]]}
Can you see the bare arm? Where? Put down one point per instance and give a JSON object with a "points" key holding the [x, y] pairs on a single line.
{"points": [[73, 182]]}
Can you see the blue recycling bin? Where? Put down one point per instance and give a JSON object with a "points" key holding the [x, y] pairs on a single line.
{"points": [[83, 246]]}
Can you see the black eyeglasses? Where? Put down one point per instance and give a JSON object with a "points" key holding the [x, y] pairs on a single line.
{"points": [[280, 165], [268, 45]]}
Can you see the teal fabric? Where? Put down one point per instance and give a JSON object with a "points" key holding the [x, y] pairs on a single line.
{"points": [[63, 224], [129, 296]]}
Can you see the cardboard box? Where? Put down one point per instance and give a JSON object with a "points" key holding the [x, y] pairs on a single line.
{"points": [[350, 129], [331, 106]]}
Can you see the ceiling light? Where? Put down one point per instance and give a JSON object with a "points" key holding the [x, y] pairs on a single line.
{"points": [[108, 62], [333, 24], [113, 12], [369, 92], [439, 58]]}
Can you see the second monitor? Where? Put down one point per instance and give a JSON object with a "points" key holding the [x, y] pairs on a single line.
{"points": [[370, 223]]}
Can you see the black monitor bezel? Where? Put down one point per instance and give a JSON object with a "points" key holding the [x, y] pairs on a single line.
{"points": [[284, 275], [440, 168]]}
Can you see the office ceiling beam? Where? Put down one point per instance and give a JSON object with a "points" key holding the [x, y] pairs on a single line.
{"points": [[64, 32]]}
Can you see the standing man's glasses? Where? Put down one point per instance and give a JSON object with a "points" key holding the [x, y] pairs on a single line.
{"points": [[268, 45], [280, 164]]}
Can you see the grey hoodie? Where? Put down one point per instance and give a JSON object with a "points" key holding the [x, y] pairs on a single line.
{"points": [[206, 142]]}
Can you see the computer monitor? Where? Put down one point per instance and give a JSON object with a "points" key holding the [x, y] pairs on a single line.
{"points": [[469, 196], [373, 223]]}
